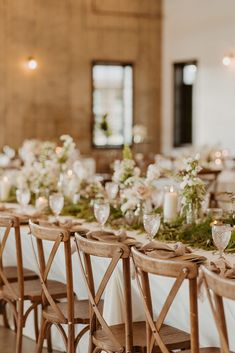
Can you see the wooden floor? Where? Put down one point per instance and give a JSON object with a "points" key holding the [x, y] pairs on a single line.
{"points": [[7, 342]]}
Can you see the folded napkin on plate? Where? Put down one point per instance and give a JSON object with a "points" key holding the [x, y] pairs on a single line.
{"points": [[105, 236], [70, 225], [179, 252], [223, 268], [23, 217]]}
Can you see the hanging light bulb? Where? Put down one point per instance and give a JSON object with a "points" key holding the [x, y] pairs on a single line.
{"points": [[227, 60], [32, 64]]}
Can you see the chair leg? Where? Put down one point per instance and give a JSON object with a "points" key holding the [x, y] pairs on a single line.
{"points": [[14, 319], [35, 313], [71, 339], [41, 337], [49, 343], [19, 332]]}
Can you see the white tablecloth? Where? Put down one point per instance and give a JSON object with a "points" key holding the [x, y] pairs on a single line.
{"points": [[113, 309]]}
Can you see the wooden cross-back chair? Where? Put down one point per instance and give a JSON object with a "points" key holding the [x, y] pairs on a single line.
{"points": [[10, 272], [16, 292], [68, 313], [181, 271], [128, 336], [218, 288], [210, 177], [116, 338]]}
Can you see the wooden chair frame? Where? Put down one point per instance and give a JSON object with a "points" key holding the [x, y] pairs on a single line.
{"points": [[58, 236], [16, 301], [145, 265], [218, 288], [116, 252]]}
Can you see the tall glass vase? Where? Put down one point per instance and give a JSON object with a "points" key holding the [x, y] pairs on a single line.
{"points": [[192, 214]]}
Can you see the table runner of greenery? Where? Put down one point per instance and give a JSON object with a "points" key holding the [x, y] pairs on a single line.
{"points": [[197, 235]]}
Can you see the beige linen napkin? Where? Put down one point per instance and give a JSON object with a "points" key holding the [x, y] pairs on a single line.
{"points": [[105, 236], [179, 252], [223, 268], [23, 217], [71, 225]]}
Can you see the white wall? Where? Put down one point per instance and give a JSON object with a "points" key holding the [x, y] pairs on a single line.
{"points": [[203, 30]]}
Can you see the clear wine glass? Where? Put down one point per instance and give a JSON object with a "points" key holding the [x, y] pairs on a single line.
{"points": [[101, 212], [111, 189], [151, 224], [56, 202], [221, 235], [23, 197]]}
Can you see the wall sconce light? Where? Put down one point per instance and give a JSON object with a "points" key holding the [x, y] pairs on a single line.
{"points": [[228, 59], [32, 64]]}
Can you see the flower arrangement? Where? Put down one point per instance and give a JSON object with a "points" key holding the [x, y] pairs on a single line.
{"points": [[135, 194], [104, 126], [126, 168], [192, 189], [43, 162]]}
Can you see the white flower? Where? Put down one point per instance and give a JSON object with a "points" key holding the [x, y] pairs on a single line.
{"points": [[153, 172]]}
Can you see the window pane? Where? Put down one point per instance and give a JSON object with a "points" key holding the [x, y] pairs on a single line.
{"points": [[112, 105]]}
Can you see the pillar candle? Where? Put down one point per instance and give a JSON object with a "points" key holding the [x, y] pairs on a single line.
{"points": [[5, 188], [170, 205]]}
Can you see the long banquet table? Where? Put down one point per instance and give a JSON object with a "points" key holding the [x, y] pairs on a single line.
{"points": [[113, 299]]}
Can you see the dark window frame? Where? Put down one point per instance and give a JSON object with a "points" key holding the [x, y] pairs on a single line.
{"points": [[177, 142]]}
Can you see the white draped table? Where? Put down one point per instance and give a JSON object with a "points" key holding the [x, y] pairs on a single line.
{"points": [[113, 299]]}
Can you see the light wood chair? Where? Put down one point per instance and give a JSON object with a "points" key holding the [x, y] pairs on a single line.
{"points": [[126, 337], [210, 177], [181, 271], [69, 313], [218, 288], [10, 272], [16, 293]]}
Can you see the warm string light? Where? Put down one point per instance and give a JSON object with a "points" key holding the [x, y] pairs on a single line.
{"points": [[32, 63], [228, 59]]}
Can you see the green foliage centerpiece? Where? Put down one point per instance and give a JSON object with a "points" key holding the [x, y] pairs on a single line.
{"points": [[192, 190]]}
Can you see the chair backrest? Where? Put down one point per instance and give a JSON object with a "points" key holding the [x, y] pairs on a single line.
{"points": [[180, 270], [218, 288], [59, 237], [210, 177], [116, 252], [9, 223]]}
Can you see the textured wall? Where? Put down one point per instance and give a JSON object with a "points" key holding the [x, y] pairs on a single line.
{"points": [[66, 36]]}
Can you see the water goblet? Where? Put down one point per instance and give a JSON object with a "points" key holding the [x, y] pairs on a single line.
{"points": [[151, 224], [23, 197], [56, 203], [101, 212], [221, 235], [111, 189]]}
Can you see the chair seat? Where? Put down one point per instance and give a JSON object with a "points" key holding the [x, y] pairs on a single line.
{"points": [[172, 337], [207, 350], [81, 312], [12, 276], [33, 290]]}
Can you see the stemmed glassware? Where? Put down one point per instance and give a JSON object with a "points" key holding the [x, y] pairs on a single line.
{"points": [[23, 197], [101, 212], [151, 224], [56, 203], [221, 235]]}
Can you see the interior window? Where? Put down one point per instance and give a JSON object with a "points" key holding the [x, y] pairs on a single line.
{"points": [[184, 81], [112, 104]]}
